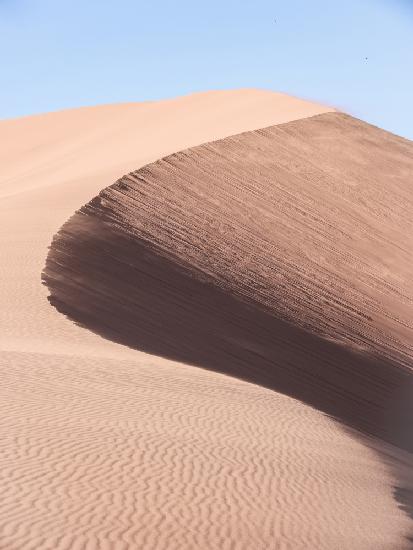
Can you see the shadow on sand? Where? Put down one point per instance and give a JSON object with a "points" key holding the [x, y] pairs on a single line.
{"points": [[118, 287]]}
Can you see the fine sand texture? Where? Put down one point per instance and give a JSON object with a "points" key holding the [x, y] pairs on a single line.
{"points": [[277, 256]]}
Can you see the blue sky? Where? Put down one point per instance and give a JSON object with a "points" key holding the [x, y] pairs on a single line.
{"points": [[56, 54]]}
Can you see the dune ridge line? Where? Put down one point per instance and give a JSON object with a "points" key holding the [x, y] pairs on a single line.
{"points": [[275, 255]]}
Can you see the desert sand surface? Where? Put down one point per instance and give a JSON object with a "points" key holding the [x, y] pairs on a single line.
{"points": [[123, 441]]}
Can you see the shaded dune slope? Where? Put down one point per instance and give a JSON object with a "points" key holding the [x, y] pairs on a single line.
{"points": [[280, 256]]}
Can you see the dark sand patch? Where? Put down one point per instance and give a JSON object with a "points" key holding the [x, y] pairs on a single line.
{"points": [[280, 256]]}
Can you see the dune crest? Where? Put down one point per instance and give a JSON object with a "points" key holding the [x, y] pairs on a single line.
{"points": [[254, 256]]}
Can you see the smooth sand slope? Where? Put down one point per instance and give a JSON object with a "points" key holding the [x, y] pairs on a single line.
{"points": [[108, 447]]}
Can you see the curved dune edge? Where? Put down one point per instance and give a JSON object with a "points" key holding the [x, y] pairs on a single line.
{"points": [[108, 447], [251, 256], [269, 256]]}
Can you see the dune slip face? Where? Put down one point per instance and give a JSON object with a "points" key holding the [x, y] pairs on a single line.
{"points": [[280, 256]]}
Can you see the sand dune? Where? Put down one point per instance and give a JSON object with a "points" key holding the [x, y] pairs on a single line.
{"points": [[109, 447], [253, 257]]}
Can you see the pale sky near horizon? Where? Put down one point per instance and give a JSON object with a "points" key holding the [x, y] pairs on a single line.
{"points": [[70, 53]]}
